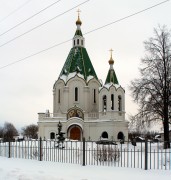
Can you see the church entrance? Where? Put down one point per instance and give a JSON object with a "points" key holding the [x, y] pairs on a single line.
{"points": [[75, 132]]}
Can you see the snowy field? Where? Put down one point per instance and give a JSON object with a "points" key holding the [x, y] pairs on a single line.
{"points": [[23, 169]]}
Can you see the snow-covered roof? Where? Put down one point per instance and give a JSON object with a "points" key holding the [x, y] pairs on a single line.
{"points": [[66, 78], [109, 85]]}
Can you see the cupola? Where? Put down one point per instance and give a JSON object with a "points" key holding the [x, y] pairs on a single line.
{"points": [[111, 76], [78, 39]]}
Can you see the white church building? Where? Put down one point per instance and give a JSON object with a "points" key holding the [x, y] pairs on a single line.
{"points": [[84, 106]]}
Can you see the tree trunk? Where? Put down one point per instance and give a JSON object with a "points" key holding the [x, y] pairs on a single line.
{"points": [[166, 126]]}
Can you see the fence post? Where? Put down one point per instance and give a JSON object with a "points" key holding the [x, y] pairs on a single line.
{"points": [[9, 149], [83, 151], [146, 154], [40, 149]]}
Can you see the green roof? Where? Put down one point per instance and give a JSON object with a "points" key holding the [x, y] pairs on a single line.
{"points": [[78, 33], [78, 61], [111, 77]]}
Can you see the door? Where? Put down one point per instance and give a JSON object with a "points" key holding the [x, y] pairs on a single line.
{"points": [[75, 133]]}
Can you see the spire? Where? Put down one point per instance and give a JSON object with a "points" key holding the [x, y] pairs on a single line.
{"points": [[111, 76]]}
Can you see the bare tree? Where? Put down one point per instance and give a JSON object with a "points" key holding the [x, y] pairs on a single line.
{"points": [[152, 90], [138, 124], [30, 131], [9, 131]]}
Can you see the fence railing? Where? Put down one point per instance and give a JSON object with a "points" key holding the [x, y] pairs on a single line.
{"points": [[144, 155]]}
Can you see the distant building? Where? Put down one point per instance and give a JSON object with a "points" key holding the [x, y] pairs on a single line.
{"points": [[85, 107]]}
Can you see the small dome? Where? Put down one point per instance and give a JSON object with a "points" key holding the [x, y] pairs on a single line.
{"points": [[78, 22], [111, 61]]}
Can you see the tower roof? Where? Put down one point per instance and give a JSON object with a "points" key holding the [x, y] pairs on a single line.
{"points": [[111, 75], [78, 32], [78, 59]]}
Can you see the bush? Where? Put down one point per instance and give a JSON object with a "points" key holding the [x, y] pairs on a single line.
{"points": [[106, 153]]}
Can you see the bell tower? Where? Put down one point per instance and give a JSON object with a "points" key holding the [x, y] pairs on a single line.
{"points": [[112, 96]]}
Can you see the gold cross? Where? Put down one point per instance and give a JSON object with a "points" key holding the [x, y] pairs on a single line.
{"points": [[111, 50], [78, 12]]}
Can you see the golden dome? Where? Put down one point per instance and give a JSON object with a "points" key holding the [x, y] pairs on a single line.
{"points": [[78, 22], [111, 61]]}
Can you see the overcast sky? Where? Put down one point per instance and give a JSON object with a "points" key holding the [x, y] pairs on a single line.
{"points": [[26, 87]]}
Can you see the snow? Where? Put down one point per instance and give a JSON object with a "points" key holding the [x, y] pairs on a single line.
{"points": [[107, 86], [71, 75], [89, 78], [22, 169]]}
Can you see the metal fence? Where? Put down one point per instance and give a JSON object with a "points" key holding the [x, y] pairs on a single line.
{"points": [[144, 155]]}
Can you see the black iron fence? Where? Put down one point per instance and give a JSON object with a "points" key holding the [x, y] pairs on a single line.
{"points": [[144, 155]]}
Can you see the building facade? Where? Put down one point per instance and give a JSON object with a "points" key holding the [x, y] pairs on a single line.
{"points": [[84, 106]]}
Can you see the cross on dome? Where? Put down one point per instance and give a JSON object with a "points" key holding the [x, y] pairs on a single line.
{"points": [[78, 12], [78, 22]]}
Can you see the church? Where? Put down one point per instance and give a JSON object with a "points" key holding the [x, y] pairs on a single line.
{"points": [[82, 103]]}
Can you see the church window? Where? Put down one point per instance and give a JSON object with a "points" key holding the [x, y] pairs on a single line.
{"points": [[59, 96], [119, 103], [104, 135], [74, 42], [104, 103], [94, 95], [112, 101], [76, 94], [77, 41], [120, 135], [52, 135], [82, 42]]}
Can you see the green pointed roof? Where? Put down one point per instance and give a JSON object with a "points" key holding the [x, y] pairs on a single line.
{"points": [[78, 61], [111, 77], [78, 33]]}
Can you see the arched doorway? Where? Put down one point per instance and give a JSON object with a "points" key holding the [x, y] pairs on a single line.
{"points": [[75, 132], [121, 135]]}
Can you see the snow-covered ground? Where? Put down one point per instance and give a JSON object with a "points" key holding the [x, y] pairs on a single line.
{"points": [[23, 169]]}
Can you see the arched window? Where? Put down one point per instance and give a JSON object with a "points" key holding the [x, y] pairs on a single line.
{"points": [[119, 103], [104, 135], [76, 94], [104, 103], [82, 42], [78, 42], [112, 101], [52, 135], [120, 135], [59, 96], [74, 42], [94, 95]]}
